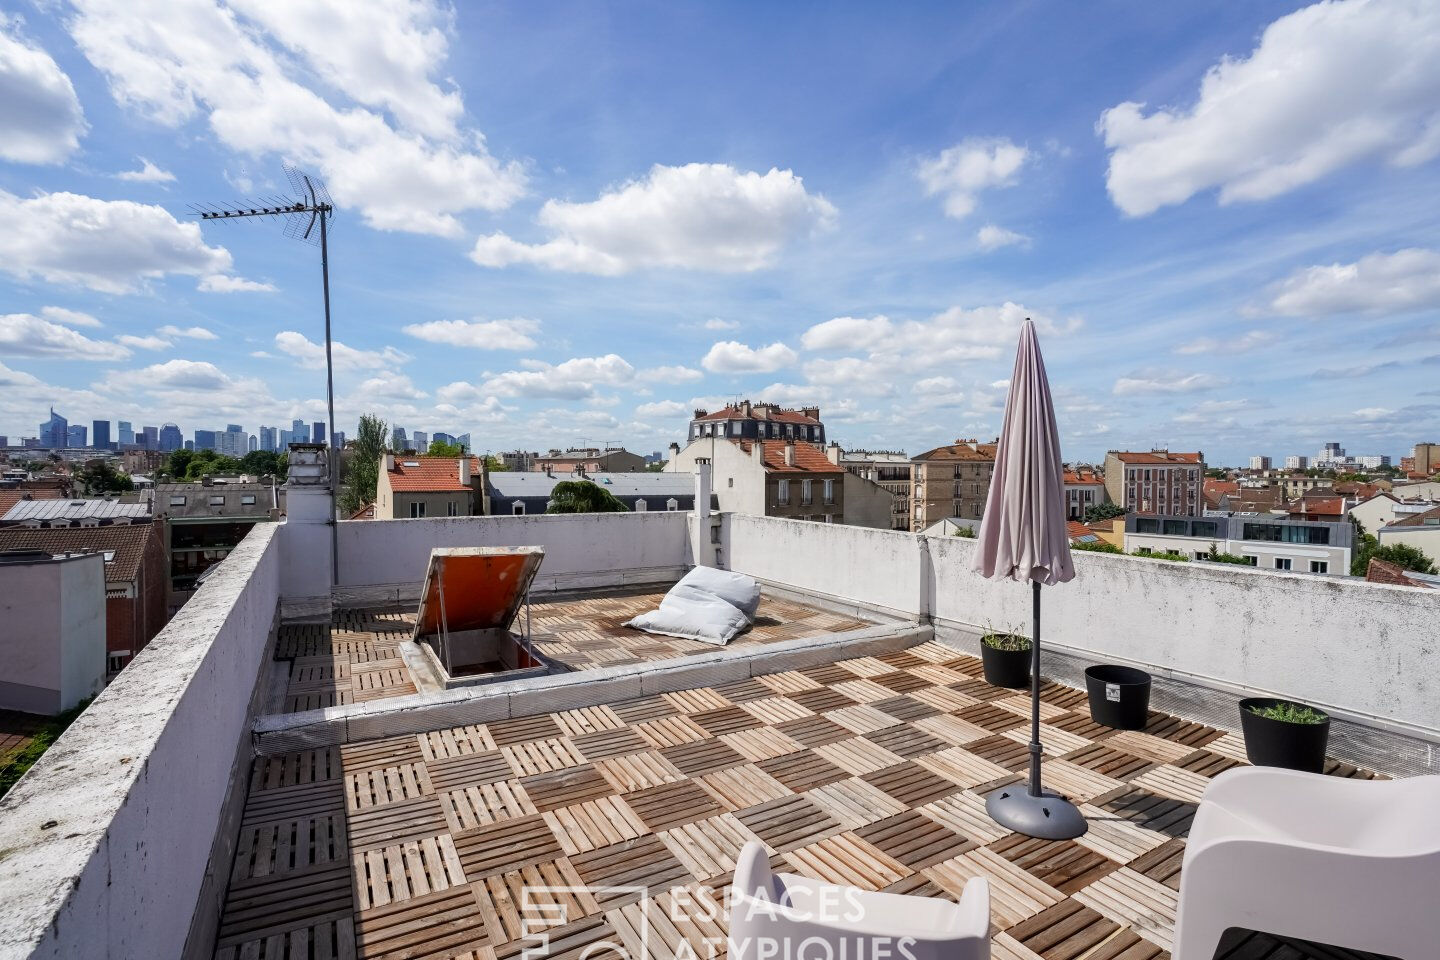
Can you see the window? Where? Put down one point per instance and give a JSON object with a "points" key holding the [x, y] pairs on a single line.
{"points": [[829, 491], [115, 662], [1251, 559], [1282, 563], [729, 481], [1286, 533], [178, 500], [672, 505], [829, 518], [1319, 566], [1176, 528], [217, 500], [109, 556], [1205, 528], [452, 508], [1147, 525], [518, 508], [417, 508], [247, 499], [640, 505], [805, 494], [782, 492]]}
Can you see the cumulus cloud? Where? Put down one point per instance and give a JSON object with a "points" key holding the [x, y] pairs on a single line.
{"points": [[671, 374], [26, 335], [41, 121], [992, 237], [1388, 282], [1166, 383], [307, 353], [575, 379], [847, 333], [701, 216], [1327, 86], [245, 68], [72, 318], [730, 356], [143, 343], [108, 245], [148, 173], [719, 323], [220, 283], [190, 333], [952, 336], [390, 385], [1243, 343], [661, 409], [513, 334], [173, 374], [973, 165]]}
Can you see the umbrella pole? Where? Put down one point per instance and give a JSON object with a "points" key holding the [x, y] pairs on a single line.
{"points": [[1035, 748]]}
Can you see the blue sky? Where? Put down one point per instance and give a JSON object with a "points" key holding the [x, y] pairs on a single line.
{"points": [[564, 222]]}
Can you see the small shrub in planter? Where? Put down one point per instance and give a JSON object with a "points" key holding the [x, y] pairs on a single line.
{"points": [[1280, 733], [1006, 657]]}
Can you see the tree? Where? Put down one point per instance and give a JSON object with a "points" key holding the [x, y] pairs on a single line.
{"points": [[1401, 554], [1096, 546], [494, 464], [360, 466], [262, 462], [191, 465], [1103, 511], [439, 448], [1216, 473], [583, 496], [657, 466], [100, 476]]}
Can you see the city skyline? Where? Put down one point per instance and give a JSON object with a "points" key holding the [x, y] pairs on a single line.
{"points": [[695, 214]]}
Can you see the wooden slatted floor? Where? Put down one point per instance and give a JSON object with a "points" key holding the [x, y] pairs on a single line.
{"points": [[620, 823]]}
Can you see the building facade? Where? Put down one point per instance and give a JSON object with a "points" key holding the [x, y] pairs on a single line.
{"points": [[1260, 463], [1296, 462], [1158, 482], [205, 521], [588, 460], [521, 492], [759, 421], [411, 486], [891, 469], [55, 432], [1267, 542], [951, 483], [1084, 488]]}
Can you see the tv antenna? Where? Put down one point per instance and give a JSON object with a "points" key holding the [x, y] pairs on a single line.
{"points": [[308, 207]]}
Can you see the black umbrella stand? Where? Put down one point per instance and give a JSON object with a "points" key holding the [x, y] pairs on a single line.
{"points": [[1035, 812]]}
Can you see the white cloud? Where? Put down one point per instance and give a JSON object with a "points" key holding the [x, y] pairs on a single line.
{"points": [[244, 68], [1244, 343], [108, 245], [1166, 383], [1388, 282], [952, 336], [671, 374], [972, 165], [934, 386], [26, 335], [661, 409], [73, 318], [513, 334], [719, 323], [992, 237], [701, 216], [847, 333], [574, 379], [307, 353], [390, 385], [143, 343], [148, 173], [1372, 413], [221, 283], [1327, 86], [173, 374], [191, 333], [729, 356], [41, 121]]}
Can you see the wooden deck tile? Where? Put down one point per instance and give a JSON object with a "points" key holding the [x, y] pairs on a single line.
{"points": [[788, 822], [847, 860], [802, 771], [915, 840], [442, 924], [672, 804], [644, 865], [561, 788], [506, 845], [594, 824], [609, 743], [470, 770], [1062, 864]]}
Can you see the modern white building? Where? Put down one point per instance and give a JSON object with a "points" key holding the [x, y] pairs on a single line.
{"points": [[1297, 462], [1260, 463], [1267, 541]]}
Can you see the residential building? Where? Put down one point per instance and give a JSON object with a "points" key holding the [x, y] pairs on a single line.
{"points": [[125, 433], [416, 485], [1242, 498], [1084, 488], [589, 460], [205, 521], [1418, 530], [514, 460], [891, 469], [1156, 482], [951, 483], [1426, 459], [99, 434], [65, 512], [55, 432], [1260, 463], [1374, 462], [1382, 571], [1419, 489], [135, 577], [317, 432], [1384, 508], [53, 644], [759, 421], [75, 437], [786, 478], [1268, 542], [1322, 503], [169, 438], [25, 493], [1295, 462], [517, 492], [1331, 454], [140, 460]]}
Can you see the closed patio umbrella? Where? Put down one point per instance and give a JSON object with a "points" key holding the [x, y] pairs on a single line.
{"points": [[1023, 537]]}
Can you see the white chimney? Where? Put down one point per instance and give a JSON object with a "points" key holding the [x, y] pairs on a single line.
{"points": [[465, 471], [832, 453], [757, 450], [790, 453], [389, 462]]}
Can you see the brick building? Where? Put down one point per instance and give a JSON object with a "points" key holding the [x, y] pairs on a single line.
{"points": [[951, 483], [1158, 482]]}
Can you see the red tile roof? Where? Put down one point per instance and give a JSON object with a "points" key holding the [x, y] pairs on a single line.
{"points": [[1078, 531], [366, 512], [808, 457], [777, 414], [1325, 506], [1156, 457], [429, 474], [127, 541], [1083, 476], [1382, 571], [961, 451], [13, 495], [1429, 518]]}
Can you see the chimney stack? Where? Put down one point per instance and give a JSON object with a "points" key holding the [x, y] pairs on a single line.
{"points": [[789, 453], [744, 408], [389, 462], [757, 450], [832, 453], [464, 471]]}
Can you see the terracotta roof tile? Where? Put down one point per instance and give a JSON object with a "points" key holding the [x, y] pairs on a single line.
{"points": [[808, 457], [13, 495], [429, 474], [776, 414], [1083, 477], [1160, 458], [1382, 571], [126, 540], [961, 451], [1078, 531]]}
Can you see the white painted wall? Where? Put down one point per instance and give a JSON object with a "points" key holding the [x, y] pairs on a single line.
{"points": [[52, 633], [737, 477], [1424, 539], [136, 786], [1265, 552]]}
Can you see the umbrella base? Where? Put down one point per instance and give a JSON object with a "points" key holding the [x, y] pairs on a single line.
{"points": [[1048, 816]]}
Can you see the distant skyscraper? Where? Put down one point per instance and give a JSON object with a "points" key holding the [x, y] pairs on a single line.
{"points": [[254, 443], [1294, 462], [464, 441], [168, 438], [1260, 463], [268, 440], [4, 441], [298, 431], [55, 431], [234, 442], [317, 433], [150, 438], [421, 441], [100, 434], [338, 439], [286, 438], [439, 437], [75, 437], [1332, 453], [398, 441], [205, 440], [127, 433], [189, 444]]}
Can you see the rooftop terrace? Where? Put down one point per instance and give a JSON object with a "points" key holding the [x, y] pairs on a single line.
{"points": [[404, 824]]}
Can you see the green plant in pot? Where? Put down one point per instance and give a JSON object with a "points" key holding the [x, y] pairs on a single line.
{"points": [[1282, 733], [1006, 658]]}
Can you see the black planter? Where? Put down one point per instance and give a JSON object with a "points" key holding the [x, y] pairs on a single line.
{"points": [[1005, 668], [1276, 743], [1119, 696]]}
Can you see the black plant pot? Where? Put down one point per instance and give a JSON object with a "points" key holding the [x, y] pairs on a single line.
{"points": [[1119, 696], [1005, 668], [1277, 743]]}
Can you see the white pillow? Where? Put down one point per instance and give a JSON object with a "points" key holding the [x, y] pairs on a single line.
{"points": [[739, 590], [693, 613]]}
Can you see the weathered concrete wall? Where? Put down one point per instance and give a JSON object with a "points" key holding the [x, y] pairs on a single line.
{"points": [[104, 843], [52, 633], [579, 548]]}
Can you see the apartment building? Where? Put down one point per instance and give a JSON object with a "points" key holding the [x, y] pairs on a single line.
{"points": [[583, 459], [1159, 482], [1084, 488], [892, 470], [951, 483], [1267, 542], [759, 421], [414, 486]]}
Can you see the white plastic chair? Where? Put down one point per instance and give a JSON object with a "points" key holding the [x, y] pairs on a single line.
{"points": [[1349, 863], [773, 914]]}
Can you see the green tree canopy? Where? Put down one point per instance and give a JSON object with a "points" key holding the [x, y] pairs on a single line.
{"points": [[583, 496], [1401, 554], [1103, 511], [262, 462], [100, 476], [360, 466], [191, 465], [439, 448], [494, 464]]}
